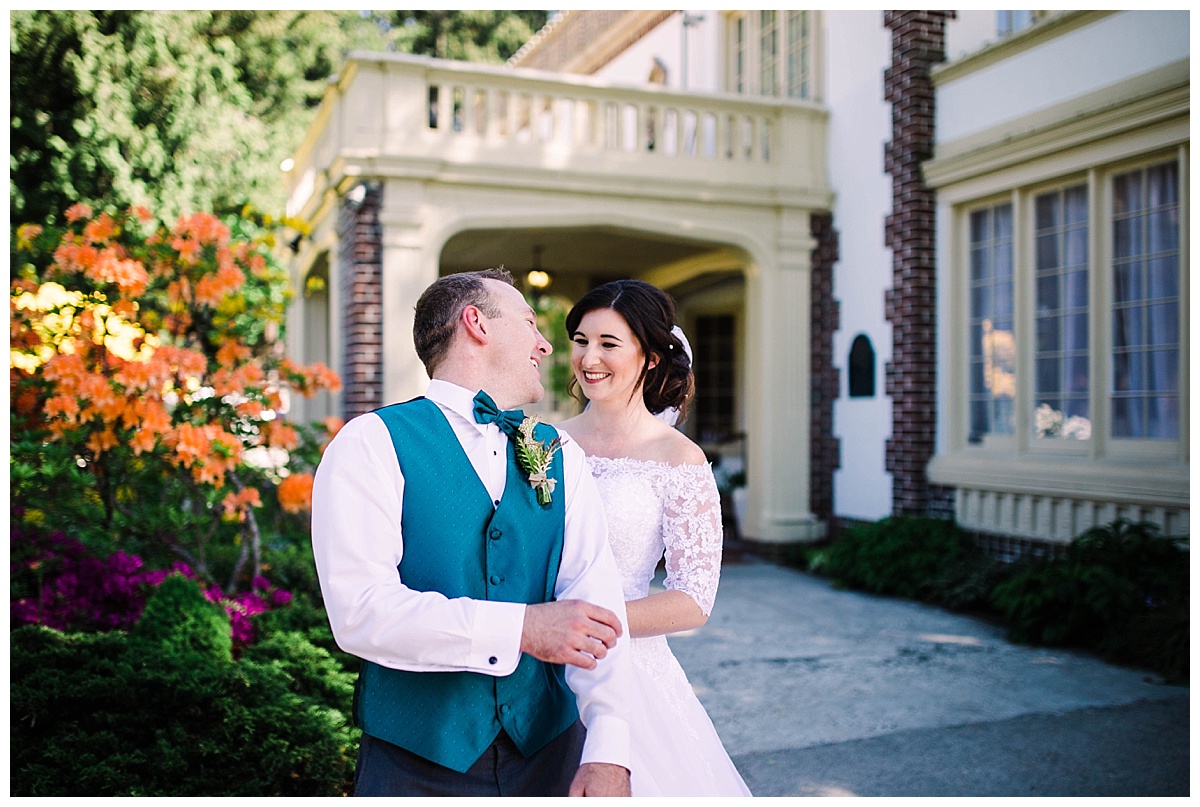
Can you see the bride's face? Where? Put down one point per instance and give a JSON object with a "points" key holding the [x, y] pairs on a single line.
{"points": [[606, 357]]}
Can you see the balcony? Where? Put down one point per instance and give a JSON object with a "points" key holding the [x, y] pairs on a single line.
{"points": [[391, 115]]}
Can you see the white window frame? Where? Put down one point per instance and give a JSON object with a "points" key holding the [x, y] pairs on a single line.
{"points": [[749, 80], [1099, 181]]}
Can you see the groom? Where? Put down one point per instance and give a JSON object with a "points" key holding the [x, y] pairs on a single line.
{"points": [[494, 661]]}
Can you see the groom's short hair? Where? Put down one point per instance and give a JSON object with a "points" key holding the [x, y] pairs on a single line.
{"points": [[441, 305]]}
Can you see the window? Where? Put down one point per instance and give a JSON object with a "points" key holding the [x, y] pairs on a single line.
{"points": [[1145, 295], [1074, 312], [768, 53], [862, 368], [713, 347], [797, 54], [739, 55], [992, 339], [780, 45], [1061, 368]]}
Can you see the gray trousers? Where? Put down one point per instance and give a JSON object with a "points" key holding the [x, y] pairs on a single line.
{"points": [[388, 770]]}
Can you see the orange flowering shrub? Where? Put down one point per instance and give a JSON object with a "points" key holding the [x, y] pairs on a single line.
{"points": [[146, 374]]}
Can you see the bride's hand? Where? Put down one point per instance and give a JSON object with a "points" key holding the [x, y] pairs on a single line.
{"points": [[569, 632], [600, 779]]}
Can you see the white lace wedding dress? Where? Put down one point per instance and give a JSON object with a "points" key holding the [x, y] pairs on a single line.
{"points": [[655, 509]]}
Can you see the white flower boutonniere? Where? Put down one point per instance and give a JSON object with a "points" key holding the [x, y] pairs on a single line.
{"points": [[533, 457]]}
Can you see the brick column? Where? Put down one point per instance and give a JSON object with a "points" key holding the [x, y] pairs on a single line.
{"points": [[918, 43], [825, 449], [362, 314]]}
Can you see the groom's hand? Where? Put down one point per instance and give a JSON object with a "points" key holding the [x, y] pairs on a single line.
{"points": [[569, 632], [600, 779]]}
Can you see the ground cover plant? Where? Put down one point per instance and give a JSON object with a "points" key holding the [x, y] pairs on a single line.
{"points": [[1121, 589]]}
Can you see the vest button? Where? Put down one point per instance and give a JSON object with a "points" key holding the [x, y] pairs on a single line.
{"points": [[495, 534], [504, 709], [495, 579]]}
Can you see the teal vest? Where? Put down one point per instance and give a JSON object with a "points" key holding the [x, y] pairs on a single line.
{"points": [[457, 543]]}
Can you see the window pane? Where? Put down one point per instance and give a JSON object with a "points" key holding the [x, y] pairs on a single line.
{"points": [[1127, 327], [1163, 226], [1163, 417], [1124, 416], [1003, 259], [1127, 282], [1076, 408], [1076, 204], [1162, 370], [1048, 334], [980, 265], [1047, 251], [1047, 375], [1076, 331], [1076, 374], [1047, 293], [1164, 277], [992, 381], [1127, 237], [1163, 185], [1164, 323], [979, 227], [1046, 211], [1003, 222], [1127, 193], [1145, 333], [1060, 288], [977, 384], [1076, 253]]}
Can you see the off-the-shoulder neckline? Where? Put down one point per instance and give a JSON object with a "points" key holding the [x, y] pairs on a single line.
{"points": [[656, 463]]}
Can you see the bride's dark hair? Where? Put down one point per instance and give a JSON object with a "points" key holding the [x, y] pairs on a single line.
{"points": [[650, 313]]}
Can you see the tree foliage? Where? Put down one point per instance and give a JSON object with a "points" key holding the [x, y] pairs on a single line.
{"points": [[176, 110], [474, 35], [195, 110]]}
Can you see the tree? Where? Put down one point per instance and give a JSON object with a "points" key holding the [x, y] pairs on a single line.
{"points": [[177, 111], [474, 36], [145, 371]]}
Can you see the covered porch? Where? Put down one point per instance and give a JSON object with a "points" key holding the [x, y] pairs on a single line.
{"points": [[417, 167]]}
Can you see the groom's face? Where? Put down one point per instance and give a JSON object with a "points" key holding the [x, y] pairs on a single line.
{"points": [[517, 349]]}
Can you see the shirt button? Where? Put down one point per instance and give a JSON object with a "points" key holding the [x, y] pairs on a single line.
{"points": [[496, 502], [492, 660]]}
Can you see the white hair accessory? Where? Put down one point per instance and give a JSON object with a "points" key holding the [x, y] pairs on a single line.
{"points": [[670, 415]]}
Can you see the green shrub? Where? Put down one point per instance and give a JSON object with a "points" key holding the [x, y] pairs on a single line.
{"points": [[908, 556], [1121, 589], [179, 623], [165, 711]]}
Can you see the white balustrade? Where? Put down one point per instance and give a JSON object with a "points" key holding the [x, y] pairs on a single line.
{"points": [[391, 112]]}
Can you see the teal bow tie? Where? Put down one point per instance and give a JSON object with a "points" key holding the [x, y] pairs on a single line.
{"points": [[486, 411]]}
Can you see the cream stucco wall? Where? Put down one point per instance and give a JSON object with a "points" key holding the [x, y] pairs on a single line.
{"points": [[858, 48]]}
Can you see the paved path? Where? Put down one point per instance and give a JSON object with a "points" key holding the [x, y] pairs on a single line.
{"points": [[817, 691]]}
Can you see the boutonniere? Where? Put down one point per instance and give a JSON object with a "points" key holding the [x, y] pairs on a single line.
{"points": [[533, 457]]}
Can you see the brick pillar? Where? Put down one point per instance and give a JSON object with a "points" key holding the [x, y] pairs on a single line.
{"points": [[824, 448], [362, 320], [918, 43]]}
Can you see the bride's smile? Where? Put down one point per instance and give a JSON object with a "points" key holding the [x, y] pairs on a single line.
{"points": [[606, 357]]}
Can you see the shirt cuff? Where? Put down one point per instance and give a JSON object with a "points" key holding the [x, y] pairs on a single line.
{"points": [[496, 638], [607, 741]]}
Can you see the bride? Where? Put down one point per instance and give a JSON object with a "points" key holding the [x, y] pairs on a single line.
{"points": [[661, 500]]}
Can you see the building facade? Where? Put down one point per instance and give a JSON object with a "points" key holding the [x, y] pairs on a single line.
{"points": [[856, 212]]}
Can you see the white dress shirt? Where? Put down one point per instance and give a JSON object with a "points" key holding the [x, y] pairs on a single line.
{"points": [[357, 545]]}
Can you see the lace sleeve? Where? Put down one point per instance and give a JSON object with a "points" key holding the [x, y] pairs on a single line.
{"points": [[692, 534]]}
